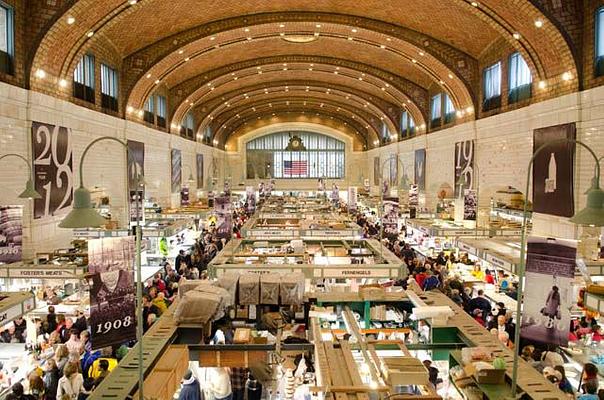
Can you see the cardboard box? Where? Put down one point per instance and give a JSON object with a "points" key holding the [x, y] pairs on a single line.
{"points": [[242, 335], [490, 376]]}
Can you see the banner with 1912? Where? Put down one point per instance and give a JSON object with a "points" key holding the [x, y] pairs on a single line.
{"points": [[52, 167]]}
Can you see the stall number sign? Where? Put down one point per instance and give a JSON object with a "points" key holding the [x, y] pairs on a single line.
{"points": [[52, 168], [356, 273], [42, 273], [499, 262], [464, 247]]}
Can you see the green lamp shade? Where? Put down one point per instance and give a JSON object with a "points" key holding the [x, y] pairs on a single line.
{"points": [[593, 213], [82, 215], [30, 192]]}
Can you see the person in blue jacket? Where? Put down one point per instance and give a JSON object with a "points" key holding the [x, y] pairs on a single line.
{"points": [[190, 388]]}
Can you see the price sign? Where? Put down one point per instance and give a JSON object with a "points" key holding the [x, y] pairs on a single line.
{"points": [[53, 168]]}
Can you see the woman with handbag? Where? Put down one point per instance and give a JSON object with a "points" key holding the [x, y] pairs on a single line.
{"points": [[71, 385], [552, 306]]}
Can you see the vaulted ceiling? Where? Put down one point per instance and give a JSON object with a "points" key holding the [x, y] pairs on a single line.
{"points": [[356, 62]]}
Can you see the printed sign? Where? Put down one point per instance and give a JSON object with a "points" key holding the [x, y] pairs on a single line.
{"points": [[45, 273], [352, 198], [553, 170], [224, 224], [250, 199], [52, 168], [464, 166], [420, 169], [376, 170], [136, 168], [176, 171], [11, 234], [550, 271], [498, 262], [469, 205], [112, 291], [199, 160]]}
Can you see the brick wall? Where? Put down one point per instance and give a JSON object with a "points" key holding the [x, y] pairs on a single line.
{"points": [[105, 163]]}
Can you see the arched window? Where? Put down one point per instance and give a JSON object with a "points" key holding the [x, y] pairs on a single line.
{"points": [[188, 126], [295, 155], [599, 47]]}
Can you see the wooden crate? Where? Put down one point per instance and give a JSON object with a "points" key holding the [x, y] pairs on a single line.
{"points": [[232, 359], [164, 379]]}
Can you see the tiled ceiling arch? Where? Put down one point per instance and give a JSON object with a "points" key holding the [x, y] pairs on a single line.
{"points": [[355, 109], [412, 45]]}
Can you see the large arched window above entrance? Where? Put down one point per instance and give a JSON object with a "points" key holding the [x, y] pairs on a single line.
{"points": [[295, 155]]}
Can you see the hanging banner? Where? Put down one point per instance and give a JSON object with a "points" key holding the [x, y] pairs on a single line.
{"points": [[224, 223], [136, 167], [548, 297], [176, 170], [11, 234], [414, 195], [420, 169], [52, 168], [390, 217], [553, 170], [112, 290], [366, 185], [464, 166], [352, 199], [335, 192], [199, 160], [376, 170], [250, 199], [321, 185], [184, 196], [469, 205]]}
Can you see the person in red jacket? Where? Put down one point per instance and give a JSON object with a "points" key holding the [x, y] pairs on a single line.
{"points": [[421, 276]]}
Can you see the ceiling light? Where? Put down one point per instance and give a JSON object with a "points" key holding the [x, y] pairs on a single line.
{"points": [[157, 81], [89, 34], [212, 37], [383, 46], [212, 88], [63, 83], [246, 30], [354, 30], [567, 76], [140, 113], [129, 109], [282, 34], [335, 72], [383, 88], [349, 38], [312, 65], [70, 20], [516, 35], [148, 76], [387, 85], [542, 84], [360, 78], [310, 69], [187, 59], [421, 53], [180, 51], [538, 23], [316, 33], [259, 72], [281, 26], [249, 38], [450, 76], [388, 39], [475, 4], [41, 74], [422, 126], [459, 113], [413, 60], [318, 25], [285, 69], [469, 109], [441, 82], [132, 2]]}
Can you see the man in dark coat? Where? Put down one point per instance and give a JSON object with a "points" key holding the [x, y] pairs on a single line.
{"points": [[190, 388]]}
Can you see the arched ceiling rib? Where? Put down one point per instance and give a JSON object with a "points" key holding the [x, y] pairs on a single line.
{"points": [[295, 111], [411, 45], [370, 117]]}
